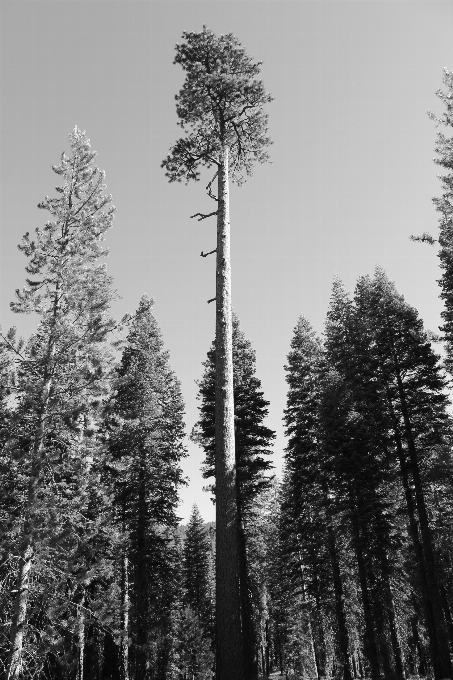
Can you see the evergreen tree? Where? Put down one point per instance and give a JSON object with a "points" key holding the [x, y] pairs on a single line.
{"points": [[63, 369], [310, 525], [414, 389], [220, 108], [444, 151], [252, 442], [145, 431], [197, 586], [358, 443]]}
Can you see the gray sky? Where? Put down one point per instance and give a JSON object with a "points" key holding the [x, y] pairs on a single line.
{"points": [[351, 175]]}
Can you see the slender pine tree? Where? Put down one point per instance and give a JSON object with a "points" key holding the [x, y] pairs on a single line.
{"points": [[220, 108]]}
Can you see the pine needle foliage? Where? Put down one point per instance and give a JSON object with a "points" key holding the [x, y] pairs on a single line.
{"points": [[220, 105]]}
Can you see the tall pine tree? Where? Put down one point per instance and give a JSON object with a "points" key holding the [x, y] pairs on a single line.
{"points": [[220, 108], [252, 446]]}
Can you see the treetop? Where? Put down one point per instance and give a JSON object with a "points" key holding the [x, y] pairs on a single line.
{"points": [[220, 106]]}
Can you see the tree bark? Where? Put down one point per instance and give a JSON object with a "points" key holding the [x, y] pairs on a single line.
{"points": [[80, 637], [124, 646], [342, 629], [250, 663], [229, 652], [370, 636]]}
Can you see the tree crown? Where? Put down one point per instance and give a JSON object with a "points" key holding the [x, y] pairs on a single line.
{"points": [[219, 106]]}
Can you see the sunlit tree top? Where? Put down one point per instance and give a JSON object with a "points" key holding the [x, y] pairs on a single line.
{"points": [[219, 106]]}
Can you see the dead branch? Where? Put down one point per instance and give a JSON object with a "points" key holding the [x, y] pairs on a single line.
{"points": [[202, 216], [210, 253], [211, 300], [209, 190]]}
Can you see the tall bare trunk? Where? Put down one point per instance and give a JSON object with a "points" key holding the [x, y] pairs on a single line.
{"points": [[229, 653], [311, 636], [125, 617], [80, 637]]}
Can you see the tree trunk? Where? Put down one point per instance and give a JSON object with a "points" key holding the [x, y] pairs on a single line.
{"points": [[124, 624], [229, 653], [80, 637], [27, 550], [342, 629], [370, 637], [309, 621], [321, 654], [250, 664]]}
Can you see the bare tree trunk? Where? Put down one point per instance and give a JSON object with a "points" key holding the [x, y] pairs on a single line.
{"points": [[229, 653], [309, 620], [124, 652], [80, 637]]}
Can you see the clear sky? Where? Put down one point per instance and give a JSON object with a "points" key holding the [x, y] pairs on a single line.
{"points": [[351, 175]]}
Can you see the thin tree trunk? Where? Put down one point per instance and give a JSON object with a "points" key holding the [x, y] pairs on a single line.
{"points": [[342, 629], [390, 609], [80, 637], [267, 666], [370, 637], [229, 654], [124, 646], [320, 635], [310, 627]]}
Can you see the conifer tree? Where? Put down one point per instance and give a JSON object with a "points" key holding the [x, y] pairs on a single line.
{"points": [[197, 587], [357, 432], [220, 108], [414, 389], [145, 432], [64, 366], [252, 447], [309, 532], [444, 151]]}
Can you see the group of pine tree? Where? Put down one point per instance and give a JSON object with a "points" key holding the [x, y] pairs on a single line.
{"points": [[344, 566]]}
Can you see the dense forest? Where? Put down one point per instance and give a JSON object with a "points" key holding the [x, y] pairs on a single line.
{"points": [[341, 569]]}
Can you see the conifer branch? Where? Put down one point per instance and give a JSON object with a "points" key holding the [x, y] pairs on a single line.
{"points": [[424, 238]]}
